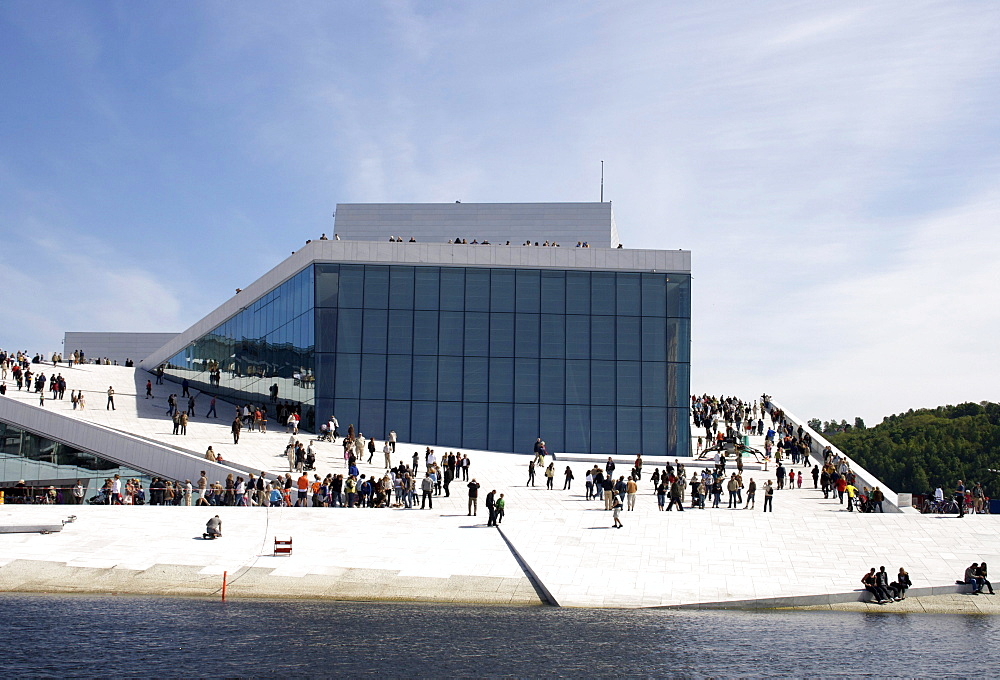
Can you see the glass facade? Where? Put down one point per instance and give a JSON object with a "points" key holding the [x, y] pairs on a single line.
{"points": [[40, 461], [466, 357], [591, 361], [268, 343]]}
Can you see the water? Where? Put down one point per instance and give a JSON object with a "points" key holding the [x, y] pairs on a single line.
{"points": [[68, 636]]}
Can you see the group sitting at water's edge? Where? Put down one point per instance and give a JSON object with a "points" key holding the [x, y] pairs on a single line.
{"points": [[877, 583]]}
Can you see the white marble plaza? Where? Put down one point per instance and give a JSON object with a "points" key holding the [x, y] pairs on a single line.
{"points": [[808, 549]]}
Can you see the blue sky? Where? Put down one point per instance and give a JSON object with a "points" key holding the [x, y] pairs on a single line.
{"points": [[833, 167]]}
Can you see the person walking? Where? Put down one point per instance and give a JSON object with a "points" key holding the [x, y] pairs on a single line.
{"points": [[531, 474], [615, 511], [111, 399], [675, 496], [236, 427], [569, 478], [751, 494], [149, 389], [631, 489], [501, 506], [211, 409], [768, 496], [550, 473], [960, 498], [473, 496]]}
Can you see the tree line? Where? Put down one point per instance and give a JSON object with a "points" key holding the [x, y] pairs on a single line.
{"points": [[922, 449]]}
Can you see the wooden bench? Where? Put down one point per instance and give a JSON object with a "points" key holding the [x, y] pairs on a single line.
{"points": [[282, 547]]}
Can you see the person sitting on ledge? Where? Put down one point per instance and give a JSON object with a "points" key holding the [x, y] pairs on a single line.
{"points": [[901, 584], [213, 529], [871, 585], [972, 577]]}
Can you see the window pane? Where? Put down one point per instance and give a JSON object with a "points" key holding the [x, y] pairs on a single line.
{"points": [[400, 331], [375, 330], [373, 376], [602, 382], [348, 378], [654, 339], [679, 340], [397, 417], [474, 426], [327, 284], [502, 290], [629, 381], [326, 365], [449, 423], [577, 429], [526, 381], [398, 375], [423, 423], [425, 333], [629, 430], [678, 432], [654, 295], [376, 286], [452, 333], [501, 431], [347, 412], [452, 288], [654, 383], [401, 288], [477, 334], [501, 380], [602, 292], [551, 427], [628, 293], [526, 342], [476, 380], [501, 335], [602, 430], [553, 292], [352, 277], [578, 292], [425, 378], [553, 332], [678, 384], [527, 290], [602, 337], [371, 420], [628, 338], [654, 432], [552, 381], [425, 287], [577, 382], [525, 427], [578, 337], [449, 378], [679, 295], [349, 330], [326, 339], [477, 290]]}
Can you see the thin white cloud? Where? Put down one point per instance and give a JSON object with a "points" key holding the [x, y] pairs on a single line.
{"points": [[69, 283]]}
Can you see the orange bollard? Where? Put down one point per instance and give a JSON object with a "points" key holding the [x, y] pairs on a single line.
{"points": [[224, 585]]}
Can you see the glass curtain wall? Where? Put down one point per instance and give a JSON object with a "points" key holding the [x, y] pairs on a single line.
{"points": [[591, 361], [40, 461], [267, 344]]}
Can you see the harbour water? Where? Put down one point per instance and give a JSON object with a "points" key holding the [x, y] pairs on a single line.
{"points": [[78, 636]]}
